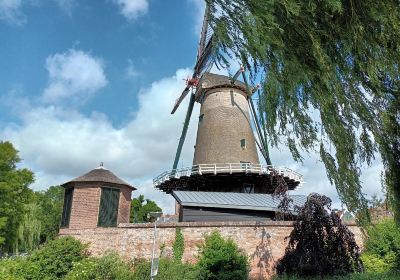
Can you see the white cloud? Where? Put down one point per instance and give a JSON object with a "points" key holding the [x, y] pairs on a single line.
{"points": [[59, 144], [10, 12], [132, 9], [75, 75]]}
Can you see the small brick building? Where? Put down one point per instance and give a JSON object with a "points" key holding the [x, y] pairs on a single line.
{"points": [[96, 199]]}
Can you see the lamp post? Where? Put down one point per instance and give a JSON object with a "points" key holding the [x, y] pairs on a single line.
{"points": [[154, 267]]}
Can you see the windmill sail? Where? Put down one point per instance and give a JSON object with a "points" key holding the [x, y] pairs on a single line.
{"points": [[203, 64], [204, 59]]}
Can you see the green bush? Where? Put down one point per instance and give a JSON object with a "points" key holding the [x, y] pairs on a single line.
{"points": [[382, 247], [168, 269], [10, 268], [108, 267], [221, 259], [54, 260]]}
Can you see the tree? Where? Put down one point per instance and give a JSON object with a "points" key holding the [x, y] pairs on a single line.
{"points": [[41, 220], [14, 194], [221, 259], [141, 207], [51, 205], [382, 247], [319, 244], [330, 79]]}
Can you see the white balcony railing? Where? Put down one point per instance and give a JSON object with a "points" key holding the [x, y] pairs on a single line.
{"points": [[226, 168]]}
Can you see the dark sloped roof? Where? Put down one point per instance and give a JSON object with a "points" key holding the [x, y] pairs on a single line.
{"points": [[249, 201], [100, 174]]}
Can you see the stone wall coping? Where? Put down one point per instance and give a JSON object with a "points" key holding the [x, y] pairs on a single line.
{"points": [[215, 224]]}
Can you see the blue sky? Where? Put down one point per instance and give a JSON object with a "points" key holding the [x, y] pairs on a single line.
{"points": [[154, 43], [84, 82]]}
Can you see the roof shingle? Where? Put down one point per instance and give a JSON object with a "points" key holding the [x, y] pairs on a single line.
{"points": [[100, 174]]}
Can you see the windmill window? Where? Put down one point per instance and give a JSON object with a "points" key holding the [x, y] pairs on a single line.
{"points": [[248, 188], [201, 118], [68, 194], [243, 143], [108, 211]]}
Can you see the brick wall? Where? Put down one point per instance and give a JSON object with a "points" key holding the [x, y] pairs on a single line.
{"points": [[124, 205], [85, 206], [263, 242], [86, 203]]}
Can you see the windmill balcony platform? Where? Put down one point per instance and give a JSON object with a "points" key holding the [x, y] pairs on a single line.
{"points": [[213, 177]]}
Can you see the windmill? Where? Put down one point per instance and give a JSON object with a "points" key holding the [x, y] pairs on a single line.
{"points": [[225, 156]]}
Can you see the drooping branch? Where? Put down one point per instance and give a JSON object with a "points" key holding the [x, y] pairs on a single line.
{"points": [[330, 79]]}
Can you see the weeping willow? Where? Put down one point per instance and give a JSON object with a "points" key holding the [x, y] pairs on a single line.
{"points": [[330, 79], [29, 230]]}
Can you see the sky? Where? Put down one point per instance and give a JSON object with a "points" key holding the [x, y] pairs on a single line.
{"points": [[84, 82]]}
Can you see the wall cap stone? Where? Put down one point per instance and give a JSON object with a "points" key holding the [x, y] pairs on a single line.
{"points": [[215, 224]]}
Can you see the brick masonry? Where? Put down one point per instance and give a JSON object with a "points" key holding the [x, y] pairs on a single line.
{"points": [[225, 121], [263, 242], [86, 202]]}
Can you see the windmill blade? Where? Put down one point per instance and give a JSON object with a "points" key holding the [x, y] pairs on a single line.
{"points": [[203, 35], [184, 131], [264, 149], [180, 99], [203, 61]]}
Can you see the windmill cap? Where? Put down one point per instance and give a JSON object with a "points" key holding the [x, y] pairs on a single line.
{"points": [[210, 80]]}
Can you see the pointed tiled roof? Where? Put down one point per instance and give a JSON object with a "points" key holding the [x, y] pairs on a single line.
{"points": [[100, 174]]}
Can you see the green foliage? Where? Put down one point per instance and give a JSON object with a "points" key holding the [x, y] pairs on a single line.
{"points": [[108, 267], [50, 204], [382, 247], [141, 207], [54, 260], [29, 230], [41, 219], [10, 269], [373, 263], [168, 269], [221, 259], [179, 245], [14, 195], [339, 58]]}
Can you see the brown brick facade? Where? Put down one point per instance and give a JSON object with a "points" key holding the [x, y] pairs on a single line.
{"points": [[124, 209], [86, 203], [224, 122], [85, 206], [263, 242]]}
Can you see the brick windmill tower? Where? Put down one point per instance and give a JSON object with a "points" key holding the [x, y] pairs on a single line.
{"points": [[225, 162]]}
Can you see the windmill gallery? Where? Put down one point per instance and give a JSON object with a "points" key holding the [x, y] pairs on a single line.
{"points": [[227, 188]]}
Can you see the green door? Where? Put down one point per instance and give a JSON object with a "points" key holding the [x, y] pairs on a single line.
{"points": [[108, 212]]}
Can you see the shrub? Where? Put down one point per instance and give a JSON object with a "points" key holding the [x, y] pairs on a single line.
{"points": [[54, 260], [168, 269], [108, 267], [382, 247], [221, 259], [319, 244], [10, 268]]}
